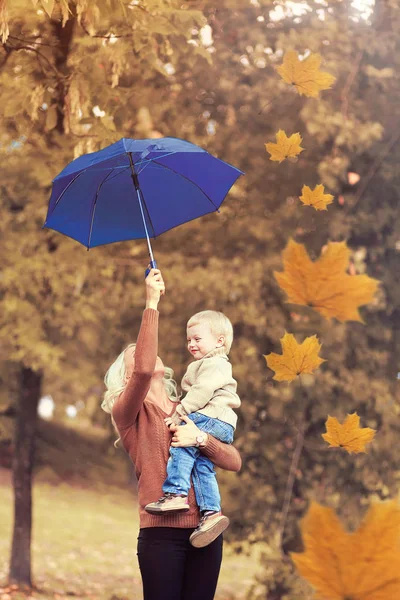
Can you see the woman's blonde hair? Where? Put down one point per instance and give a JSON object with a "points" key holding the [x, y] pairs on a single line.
{"points": [[115, 383]]}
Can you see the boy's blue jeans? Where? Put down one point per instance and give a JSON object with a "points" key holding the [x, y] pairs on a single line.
{"points": [[189, 462]]}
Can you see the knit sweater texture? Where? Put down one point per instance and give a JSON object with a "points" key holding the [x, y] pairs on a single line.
{"points": [[146, 438], [210, 387]]}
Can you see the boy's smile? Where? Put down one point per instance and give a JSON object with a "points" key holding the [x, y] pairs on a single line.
{"points": [[201, 340]]}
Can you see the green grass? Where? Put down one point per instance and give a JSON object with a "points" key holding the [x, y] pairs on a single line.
{"points": [[84, 546]]}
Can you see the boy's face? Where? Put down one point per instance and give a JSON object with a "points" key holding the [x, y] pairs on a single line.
{"points": [[201, 340]]}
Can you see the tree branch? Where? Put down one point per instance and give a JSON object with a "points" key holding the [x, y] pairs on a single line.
{"points": [[349, 82], [34, 41], [290, 481], [39, 54], [104, 37]]}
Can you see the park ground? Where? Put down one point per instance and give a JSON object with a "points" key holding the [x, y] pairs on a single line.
{"points": [[85, 531]]}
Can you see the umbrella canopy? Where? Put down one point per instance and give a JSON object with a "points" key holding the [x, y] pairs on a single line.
{"points": [[135, 189]]}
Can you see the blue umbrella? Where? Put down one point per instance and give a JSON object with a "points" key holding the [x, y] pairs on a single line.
{"points": [[137, 189]]}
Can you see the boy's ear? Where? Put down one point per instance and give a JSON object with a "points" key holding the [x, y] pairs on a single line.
{"points": [[221, 341]]}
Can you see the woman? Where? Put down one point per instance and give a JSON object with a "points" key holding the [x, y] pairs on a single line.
{"points": [[140, 400]]}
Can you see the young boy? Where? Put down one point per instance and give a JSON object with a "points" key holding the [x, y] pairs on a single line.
{"points": [[209, 402]]}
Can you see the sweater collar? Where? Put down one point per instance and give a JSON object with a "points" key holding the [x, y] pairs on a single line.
{"points": [[216, 352]]}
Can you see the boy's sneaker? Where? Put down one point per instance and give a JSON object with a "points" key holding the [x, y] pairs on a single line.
{"points": [[212, 524], [169, 503]]}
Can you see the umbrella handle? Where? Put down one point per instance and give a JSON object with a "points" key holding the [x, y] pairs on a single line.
{"points": [[153, 265]]}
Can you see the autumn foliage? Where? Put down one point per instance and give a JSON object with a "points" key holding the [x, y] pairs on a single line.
{"points": [[279, 257], [363, 565], [324, 285], [348, 435], [305, 74], [296, 358], [285, 146], [316, 197]]}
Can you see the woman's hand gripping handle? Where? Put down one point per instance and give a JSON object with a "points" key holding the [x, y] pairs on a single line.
{"points": [[155, 288]]}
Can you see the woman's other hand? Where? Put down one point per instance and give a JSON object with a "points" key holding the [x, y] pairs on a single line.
{"points": [[174, 419], [185, 435], [155, 288]]}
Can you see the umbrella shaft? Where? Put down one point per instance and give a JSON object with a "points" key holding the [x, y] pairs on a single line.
{"points": [[139, 195]]}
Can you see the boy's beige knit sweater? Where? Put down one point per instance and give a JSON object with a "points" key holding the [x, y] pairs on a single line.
{"points": [[146, 438], [210, 387]]}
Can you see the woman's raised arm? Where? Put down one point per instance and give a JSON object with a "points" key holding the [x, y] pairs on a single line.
{"points": [[129, 403]]}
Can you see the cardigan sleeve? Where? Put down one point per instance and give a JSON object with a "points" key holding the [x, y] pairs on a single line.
{"points": [[129, 403], [222, 455]]}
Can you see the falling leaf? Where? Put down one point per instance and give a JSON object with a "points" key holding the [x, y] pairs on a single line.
{"points": [[324, 284], [348, 435], [285, 147], [295, 358], [316, 197], [364, 565], [305, 74]]}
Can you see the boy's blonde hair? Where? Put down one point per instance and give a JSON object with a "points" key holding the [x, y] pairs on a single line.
{"points": [[115, 383], [219, 325]]}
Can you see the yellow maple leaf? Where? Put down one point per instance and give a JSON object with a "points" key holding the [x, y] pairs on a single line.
{"points": [[305, 74], [324, 284], [348, 435], [295, 358], [285, 147], [316, 197], [364, 565]]}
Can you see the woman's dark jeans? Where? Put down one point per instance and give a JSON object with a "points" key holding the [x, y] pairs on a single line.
{"points": [[172, 569]]}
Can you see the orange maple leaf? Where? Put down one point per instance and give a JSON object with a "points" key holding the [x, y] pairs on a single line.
{"points": [[324, 284], [364, 565], [285, 147], [305, 74], [348, 435], [295, 358], [316, 197]]}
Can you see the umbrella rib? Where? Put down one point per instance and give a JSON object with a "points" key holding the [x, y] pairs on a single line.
{"points": [[147, 161], [94, 205], [65, 189], [187, 179]]}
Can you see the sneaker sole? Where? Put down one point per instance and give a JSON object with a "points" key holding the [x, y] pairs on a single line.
{"points": [[169, 511], [200, 539]]}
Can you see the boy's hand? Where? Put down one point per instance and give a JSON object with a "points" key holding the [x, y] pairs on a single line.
{"points": [[174, 419]]}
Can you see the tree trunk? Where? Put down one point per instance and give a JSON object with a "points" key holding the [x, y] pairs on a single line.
{"points": [[22, 466]]}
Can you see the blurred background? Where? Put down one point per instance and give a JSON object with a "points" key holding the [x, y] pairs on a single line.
{"points": [[76, 76]]}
